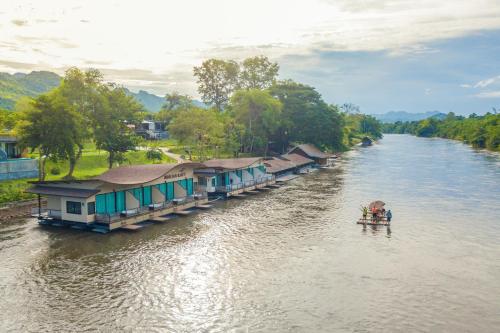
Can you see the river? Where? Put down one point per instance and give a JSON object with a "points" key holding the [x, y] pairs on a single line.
{"points": [[290, 260]]}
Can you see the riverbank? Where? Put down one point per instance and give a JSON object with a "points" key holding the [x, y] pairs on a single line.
{"points": [[481, 132]]}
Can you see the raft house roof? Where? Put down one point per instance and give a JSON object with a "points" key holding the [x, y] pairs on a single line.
{"points": [[230, 164], [62, 191], [311, 151], [141, 174], [297, 159], [124, 175], [276, 164]]}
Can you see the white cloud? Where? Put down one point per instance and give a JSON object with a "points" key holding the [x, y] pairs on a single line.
{"points": [[487, 82], [488, 94], [162, 36], [465, 85]]}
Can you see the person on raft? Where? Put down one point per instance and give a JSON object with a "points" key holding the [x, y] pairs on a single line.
{"points": [[365, 212], [388, 215]]}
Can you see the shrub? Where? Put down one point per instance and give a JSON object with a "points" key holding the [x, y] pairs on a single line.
{"points": [[55, 171]]}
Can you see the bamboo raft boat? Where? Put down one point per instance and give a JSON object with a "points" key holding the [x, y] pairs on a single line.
{"points": [[369, 221], [380, 219]]}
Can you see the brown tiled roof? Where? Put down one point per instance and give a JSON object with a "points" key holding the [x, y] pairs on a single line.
{"points": [[311, 151], [297, 159], [140, 174], [276, 165], [61, 191], [232, 163]]}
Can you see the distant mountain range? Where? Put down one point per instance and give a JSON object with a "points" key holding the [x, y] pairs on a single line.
{"points": [[15, 86], [393, 116]]}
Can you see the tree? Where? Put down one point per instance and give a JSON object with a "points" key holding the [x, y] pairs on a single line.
{"points": [[217, 79], [154, 154], [306, 117], [110, 123], [258, 73], [427, 127], [175, 101], [53, 126], [259, 113], [81, 89], [350, 108], [199, 128]]}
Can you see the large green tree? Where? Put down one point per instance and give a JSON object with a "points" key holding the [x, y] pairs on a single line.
{"points": [[306, 117], [258, 73], [81, 90], [198, 128], [110, 121], [259, 113], [217, 79], [53, 126]]}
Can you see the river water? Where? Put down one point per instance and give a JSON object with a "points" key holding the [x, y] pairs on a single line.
{"points": [[290, 260]]}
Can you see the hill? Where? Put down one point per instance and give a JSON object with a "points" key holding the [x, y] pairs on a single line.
{"points": [[15, 86], [151, 102], [393, 116]]}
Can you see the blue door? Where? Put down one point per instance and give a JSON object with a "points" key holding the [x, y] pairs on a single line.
{"points": [[110, 203], [147, 195], [100, 204], [189, 186], [170, 191], [120, 201]]}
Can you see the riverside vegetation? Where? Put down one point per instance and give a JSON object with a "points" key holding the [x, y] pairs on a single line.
{"points": [[478, 131], [84, 126]]}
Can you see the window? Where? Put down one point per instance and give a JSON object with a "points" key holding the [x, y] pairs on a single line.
{"points": [[74, 207], [91, 208]]}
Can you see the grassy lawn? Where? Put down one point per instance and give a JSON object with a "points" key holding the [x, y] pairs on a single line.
{"points": [[91, 164]]}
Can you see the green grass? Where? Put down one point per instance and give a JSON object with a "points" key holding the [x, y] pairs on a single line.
{"points": [[92, 163], [13, 190]]}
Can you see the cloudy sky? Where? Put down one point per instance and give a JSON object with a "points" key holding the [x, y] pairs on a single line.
{"points": [[380, 54]]}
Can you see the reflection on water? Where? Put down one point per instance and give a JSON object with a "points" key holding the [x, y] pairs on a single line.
{"points": [[289, 260]]}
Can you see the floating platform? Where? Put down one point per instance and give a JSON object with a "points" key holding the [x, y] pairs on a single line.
{"points": [[252, 192], [205, 206], [132, 227], [370, 222], [183, 212], [160, 219], [285, 178]]}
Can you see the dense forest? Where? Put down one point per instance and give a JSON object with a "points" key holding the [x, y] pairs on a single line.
{"points": [[248, 112], [478, 131]]}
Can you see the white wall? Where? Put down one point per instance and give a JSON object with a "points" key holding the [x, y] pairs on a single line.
{"points": [[259, 174], [130, 201], [158, 197], [75, 217], [235, 179], [247, 176], [179, 191]]}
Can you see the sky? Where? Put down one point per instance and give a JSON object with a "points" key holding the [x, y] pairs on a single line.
{"points": [[382, 55]]}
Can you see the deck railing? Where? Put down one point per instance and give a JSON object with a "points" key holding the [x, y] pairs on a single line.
{"points": [[248, 183], [111, 217], [46, 212]]}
